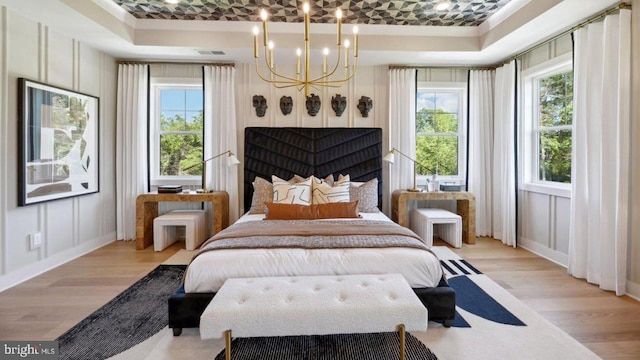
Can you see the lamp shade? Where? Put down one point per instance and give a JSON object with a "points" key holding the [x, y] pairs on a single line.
{"points": [[390, 157], [232, 160]]}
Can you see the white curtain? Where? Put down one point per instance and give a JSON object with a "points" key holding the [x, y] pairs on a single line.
{"points": [[600, 156], [481, 147], [402, 129], [131, 145], [220, 132], [504, 147]]}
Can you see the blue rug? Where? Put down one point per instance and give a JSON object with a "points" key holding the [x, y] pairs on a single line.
{"points": [[472, 298]]}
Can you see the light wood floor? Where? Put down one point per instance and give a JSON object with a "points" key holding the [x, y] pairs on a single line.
{"points": [[45, 307]]}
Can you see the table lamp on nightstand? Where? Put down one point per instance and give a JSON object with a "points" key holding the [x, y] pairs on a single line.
{"points": [[232, 160], [390, 158]]}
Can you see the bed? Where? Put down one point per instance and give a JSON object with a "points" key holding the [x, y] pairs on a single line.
{"points": [[254, 247]]}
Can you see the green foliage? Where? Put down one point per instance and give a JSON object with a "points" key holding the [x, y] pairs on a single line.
{"points": [[436, 142], [556, 109], [180, 149]]}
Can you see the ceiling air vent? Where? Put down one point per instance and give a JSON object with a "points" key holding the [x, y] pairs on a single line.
{"points": [[210, 52]]}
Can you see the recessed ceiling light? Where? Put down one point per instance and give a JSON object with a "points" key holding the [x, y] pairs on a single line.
{"points": [[443, 5]]}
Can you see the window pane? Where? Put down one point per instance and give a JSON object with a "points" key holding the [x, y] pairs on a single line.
{"points": [[555, 156], [194, 100], [178, 152], [447, 102], [438, 154], [426, 100], [194, 120], [556, 99], [172, 99], [172, 121]]}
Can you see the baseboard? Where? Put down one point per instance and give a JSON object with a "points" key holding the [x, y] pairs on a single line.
{"points": [[633, 290], [543, 251], [25, 273]]}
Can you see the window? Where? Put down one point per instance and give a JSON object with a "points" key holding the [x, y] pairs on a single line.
{"points": [[177, 133], [440, 129], [548, 122]]}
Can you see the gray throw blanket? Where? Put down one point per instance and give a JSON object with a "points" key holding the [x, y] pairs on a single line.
{"points": [[313, 234]]}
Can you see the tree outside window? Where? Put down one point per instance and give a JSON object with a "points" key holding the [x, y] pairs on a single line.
{"points": [[554, 127], [438, 131], [181, 132]]}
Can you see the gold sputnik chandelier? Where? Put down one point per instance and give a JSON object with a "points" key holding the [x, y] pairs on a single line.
{"points": [[305, 81]]}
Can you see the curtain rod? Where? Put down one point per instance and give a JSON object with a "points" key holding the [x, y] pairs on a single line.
{"points": [[392, 67], [599, 16], [135, 62]]}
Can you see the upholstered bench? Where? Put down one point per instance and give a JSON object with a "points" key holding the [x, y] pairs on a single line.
{"points": [[164, 228], [447, 224], [313, 305]]}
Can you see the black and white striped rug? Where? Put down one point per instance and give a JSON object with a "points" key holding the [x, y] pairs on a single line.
{"points": [[130, 318], [376, 346]]}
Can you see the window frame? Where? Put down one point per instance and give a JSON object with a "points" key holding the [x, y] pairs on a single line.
{"points": [[531, 126], [461, 89], [156, 86]]}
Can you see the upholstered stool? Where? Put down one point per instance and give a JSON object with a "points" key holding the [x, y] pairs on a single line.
{"points": [[164, 229], [447, 224], [313, 305]]}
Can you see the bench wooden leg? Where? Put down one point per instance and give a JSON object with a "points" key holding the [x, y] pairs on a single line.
{"points": [[402, 340], [227, 345]]}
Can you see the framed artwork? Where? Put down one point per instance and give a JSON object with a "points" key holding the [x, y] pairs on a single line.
{"points": [[58, 143]]}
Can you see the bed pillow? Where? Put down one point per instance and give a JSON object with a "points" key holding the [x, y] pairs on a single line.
{"points": [[297, 178], [285, 192], [262, 193], [276, 211], [338, 210], [324, 193], [366, 194]]}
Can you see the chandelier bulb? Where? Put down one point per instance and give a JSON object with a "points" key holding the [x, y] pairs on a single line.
{"points": [[305, 7], [263, 15]]}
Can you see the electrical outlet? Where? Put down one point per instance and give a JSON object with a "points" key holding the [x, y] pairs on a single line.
{"points": [[35, 240]]}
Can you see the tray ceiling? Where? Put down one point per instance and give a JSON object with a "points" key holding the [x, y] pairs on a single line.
{"points": [[395, 12]]}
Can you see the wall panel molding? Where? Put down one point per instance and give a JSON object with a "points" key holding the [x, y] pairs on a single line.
{"points": [[4, 135], [32, 50]]}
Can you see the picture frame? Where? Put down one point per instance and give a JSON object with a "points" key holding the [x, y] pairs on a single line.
{"points": [[58, 143]]}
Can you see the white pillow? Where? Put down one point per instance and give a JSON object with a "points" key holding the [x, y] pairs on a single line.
{"points": [[324, 193], [286, 193]]}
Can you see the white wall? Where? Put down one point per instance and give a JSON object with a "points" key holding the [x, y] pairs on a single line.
{"points": [[546, 235], [70, 227]]}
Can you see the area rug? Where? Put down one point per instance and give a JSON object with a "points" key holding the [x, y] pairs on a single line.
{"points": [[127, 320], [491, 324], [376, 346]]}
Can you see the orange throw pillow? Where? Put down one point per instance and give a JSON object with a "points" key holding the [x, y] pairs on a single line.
{"points": [[276, 211], [337, 210]]}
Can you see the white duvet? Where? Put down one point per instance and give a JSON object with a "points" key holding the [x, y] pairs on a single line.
{"points": [[209, 270]]}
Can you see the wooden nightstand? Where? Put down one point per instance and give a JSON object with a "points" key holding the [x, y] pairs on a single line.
{"points": [[465, 205], [147, 210]]}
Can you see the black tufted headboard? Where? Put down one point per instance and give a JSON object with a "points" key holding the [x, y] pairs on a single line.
{"points": [[311, 151]]}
